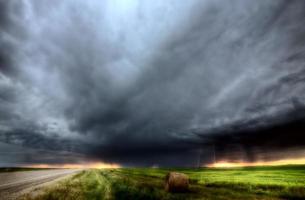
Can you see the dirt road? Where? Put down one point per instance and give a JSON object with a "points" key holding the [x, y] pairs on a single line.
{"points": [[13, 184]]}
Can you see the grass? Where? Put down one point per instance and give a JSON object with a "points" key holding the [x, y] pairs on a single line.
{"points": [[88, 184], [282, 182]]}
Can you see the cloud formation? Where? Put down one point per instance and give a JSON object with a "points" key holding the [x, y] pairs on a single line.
{"points": [[144, 83]]}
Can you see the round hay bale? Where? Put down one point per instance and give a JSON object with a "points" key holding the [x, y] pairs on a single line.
{"points": [[176, 182]]}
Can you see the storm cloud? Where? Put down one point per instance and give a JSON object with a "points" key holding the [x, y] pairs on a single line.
{"points": [[153, 83]]}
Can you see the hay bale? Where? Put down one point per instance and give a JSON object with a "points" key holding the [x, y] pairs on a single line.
{"points": [[176, 182]]}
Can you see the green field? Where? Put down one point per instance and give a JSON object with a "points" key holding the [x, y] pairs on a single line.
{"points": [[282, 182]]}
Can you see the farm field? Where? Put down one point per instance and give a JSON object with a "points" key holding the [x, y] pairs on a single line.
{"points": [[278, 182]]}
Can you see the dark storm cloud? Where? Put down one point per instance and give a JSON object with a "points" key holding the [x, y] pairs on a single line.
{"points": [[143, 83], [18, 156], [258, 144]]}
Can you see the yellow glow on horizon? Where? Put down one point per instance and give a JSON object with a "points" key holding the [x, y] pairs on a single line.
{"points": [[226, 164], [93, 165]]}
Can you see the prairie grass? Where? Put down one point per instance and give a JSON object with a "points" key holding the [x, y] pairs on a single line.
{"points": [[284, 182]]}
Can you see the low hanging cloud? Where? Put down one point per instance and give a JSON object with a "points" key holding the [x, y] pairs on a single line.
{"points": [[144, 83]]}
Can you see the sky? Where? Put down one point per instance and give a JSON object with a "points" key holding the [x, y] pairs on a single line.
{"points": [[151, 83]]}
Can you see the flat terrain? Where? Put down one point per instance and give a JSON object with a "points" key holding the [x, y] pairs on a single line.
{"points": [[284, 182], [14, 183]]}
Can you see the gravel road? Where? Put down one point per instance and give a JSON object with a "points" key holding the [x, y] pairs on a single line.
{"points": [[13, 184]]}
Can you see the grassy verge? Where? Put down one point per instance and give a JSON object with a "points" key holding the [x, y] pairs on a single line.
{"points": [[82, 186], [136, 184]]}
